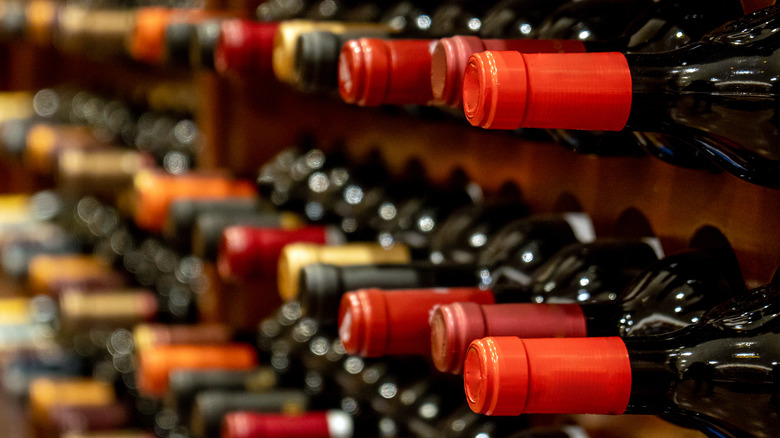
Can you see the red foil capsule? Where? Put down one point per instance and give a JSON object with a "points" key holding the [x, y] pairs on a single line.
{"points": [[450, 56], [513, 376], [374, 71], [454, 326], [317, 424], [245, 48], [248, 252], [374, 322], [510, 90]]}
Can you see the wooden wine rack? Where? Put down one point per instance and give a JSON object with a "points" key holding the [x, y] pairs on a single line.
{"points": [[246, 121]]}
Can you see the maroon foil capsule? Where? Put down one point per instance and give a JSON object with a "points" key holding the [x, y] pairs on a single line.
{"points": [[245, 48], [251, 252], [454, 326]]}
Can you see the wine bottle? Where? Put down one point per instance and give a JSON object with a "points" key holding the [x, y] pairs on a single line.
{"points": [[323, 285], [374, 323], [103, 173], [210, 227], [185, 384], [156, 363], [668, 295], [147, 40], [248, 252], [666, 26], [669, 92], [463, 234], [317, 53], [52, 274], [312, 424], [590, 20], [44, 144], [154, 192], [40, 16], [450, 54], [24, 365], [183, 213], [18, 250], [505, 257], [716, 375], [211, 407], [286, 38], [98, 33], [79, 309], [403, 20], [520, 247], [368, 76], [661, 27], [147, 335], [342, 10], [295, 256], [47, 394]]}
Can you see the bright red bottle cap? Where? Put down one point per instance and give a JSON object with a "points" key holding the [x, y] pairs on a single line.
{"points": [[513, 376], [374, 322], [245, 47], [454, 326], [450, 56], [509, 90], [374, 71], [247, 252], [317, 424]]}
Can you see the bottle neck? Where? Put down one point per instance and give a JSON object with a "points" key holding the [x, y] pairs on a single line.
{"points": [[682, 90], [692, 375], [601, 319]]}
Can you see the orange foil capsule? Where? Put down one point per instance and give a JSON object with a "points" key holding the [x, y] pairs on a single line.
{"points": [[155, 191], [156, 363]]}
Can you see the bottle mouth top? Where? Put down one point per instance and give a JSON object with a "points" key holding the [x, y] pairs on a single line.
{"points": [[448, 60], [361, 321], [374, 71], [362, 70], [453, 327]]}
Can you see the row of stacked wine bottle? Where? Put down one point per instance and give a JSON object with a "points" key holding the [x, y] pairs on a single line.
{"points": [[347, 300], [689, 82]]}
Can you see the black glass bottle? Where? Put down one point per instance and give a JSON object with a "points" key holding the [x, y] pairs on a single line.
{"points": [[718, 375]]}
